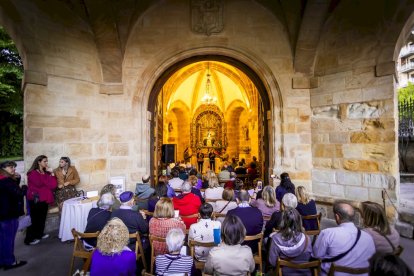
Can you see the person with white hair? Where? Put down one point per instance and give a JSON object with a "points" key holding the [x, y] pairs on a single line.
{"points": [[99, 216], [143, 191], [288, 201], [173, 262], [187, 204]]}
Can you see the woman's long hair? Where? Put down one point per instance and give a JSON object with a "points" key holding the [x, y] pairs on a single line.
{"points": [[35, 165], [302, 195], [374, 217], [291, 225], [286, 183], [269, 196]]}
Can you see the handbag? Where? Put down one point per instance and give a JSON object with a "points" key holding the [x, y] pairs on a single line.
{"points": [[25, 220]]}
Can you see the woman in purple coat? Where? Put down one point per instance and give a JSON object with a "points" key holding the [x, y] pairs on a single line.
{"points": [[113, 257]]}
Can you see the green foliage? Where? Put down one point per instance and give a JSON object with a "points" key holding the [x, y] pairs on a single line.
{"points": [[11, 98], [406, 93]]}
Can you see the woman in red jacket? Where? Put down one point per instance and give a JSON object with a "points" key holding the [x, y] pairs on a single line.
{"points": [[42, 182]]}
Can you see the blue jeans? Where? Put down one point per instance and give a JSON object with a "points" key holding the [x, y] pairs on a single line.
{"points": [[8, 230]]}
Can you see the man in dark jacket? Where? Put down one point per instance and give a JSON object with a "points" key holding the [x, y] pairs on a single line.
{"points": [[251, 217], [132, 219]]}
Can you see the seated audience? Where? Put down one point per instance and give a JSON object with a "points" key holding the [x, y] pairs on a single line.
{"points": [[285, 186], [143, 192], [206, 179], [289, 201], [268, 203], [110, 188], [112, 256], [252, 171], [291, 243], [203, 231], [387, 264], [182, 172], [386, 238], [174, 263], [187, 204], [175, 182], [161, 190], [194, 180], [344, 245], [98, 217], [164, 179], [214, 190], [251, 217], [224, 175], [306, 207], [225, 204], [199, 180], [240, 169], [162, 222], [132, 219], [230, 257]]}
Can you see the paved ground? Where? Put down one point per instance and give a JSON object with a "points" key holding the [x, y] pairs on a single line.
{"points": [[52, 257], [407, 197]]}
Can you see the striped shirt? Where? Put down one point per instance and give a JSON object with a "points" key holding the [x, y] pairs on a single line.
{"points": [[173, 264]]}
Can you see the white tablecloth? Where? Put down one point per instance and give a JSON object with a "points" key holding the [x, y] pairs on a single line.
{"points": [[74, 215]]}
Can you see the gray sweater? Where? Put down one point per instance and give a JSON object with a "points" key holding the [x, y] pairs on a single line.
{"points": [[381, 243], [293, 250]]}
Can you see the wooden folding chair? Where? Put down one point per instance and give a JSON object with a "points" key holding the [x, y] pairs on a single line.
{"points": [[257, 257], [152, 239], [355, 271], [79, 251], [314, 266], [139, 251], [192, 244], [317, 231], [218, 215]]}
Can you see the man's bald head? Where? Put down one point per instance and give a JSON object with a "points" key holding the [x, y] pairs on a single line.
{"points": [[344, 211]]}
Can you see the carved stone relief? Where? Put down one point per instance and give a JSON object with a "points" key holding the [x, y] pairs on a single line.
{"points": [[207, 16]]}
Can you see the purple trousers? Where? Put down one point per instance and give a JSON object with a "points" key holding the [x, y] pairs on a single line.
{"points": [[8, 230]]}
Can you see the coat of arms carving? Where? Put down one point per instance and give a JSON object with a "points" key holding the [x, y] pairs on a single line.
{"points": [[207, 16]]}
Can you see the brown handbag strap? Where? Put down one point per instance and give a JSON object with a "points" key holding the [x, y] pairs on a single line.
{"points": [[224, 206]]}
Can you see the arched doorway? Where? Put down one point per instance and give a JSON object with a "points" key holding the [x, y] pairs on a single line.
{"points": [[210, 103]]}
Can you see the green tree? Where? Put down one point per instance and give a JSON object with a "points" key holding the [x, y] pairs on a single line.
{"points": [[11, 98], [406, 93]]}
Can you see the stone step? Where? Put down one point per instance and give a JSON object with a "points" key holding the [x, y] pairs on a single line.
{"points": [[405, 229]]}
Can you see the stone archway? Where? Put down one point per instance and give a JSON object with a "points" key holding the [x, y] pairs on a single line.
{"points": [[266, 108]]}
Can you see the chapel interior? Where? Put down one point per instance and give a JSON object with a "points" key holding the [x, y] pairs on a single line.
{"points": [[210, 105]]}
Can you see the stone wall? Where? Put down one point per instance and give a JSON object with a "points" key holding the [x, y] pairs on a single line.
{"points": [[354, 136], [328, 78]]}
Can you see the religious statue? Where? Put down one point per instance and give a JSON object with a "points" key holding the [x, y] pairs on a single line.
{"points": [[246, 132]]}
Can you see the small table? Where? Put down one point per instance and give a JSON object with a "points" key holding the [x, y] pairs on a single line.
{"points": [[74, 215]]}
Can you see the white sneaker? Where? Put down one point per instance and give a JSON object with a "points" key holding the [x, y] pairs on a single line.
{"points": [[34, 242], [45, 236]]}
